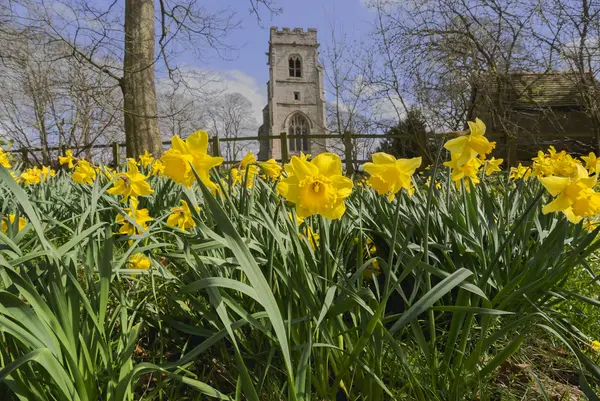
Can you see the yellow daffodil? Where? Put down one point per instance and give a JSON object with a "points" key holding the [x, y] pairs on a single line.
{"points": [[15, 177], [468, 170], [304, 156], [248, 170], [591, 162], [193, 150], [146, 159], [181, 216], [10, 220], [84, 173], [67, 159], [47, 172], [573, 196], [316, 186], [140, 216], [36, 175], [4, 160], [138, 261], [132, 183], [158, 168], [596, 345], [247, 160], [555, 163], [493, 166], [519, 172], [467, 147], [271, 168], [437, 183], [389, 175], [311, 236]]}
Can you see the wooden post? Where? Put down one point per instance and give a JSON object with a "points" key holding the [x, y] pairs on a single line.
{"points": [[511, 150], [348, 153], [283, 140], [24, 156], [115, 152], [216, 150]]}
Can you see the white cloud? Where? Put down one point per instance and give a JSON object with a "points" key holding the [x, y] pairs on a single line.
{"points": [[207, 84], [236, 81]]}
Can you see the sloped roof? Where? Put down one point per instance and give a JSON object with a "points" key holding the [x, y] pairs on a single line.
{"points": [[551, 89]]}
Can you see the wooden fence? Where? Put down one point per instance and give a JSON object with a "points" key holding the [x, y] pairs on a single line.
{"points": [[215, 146], [508, 149]]}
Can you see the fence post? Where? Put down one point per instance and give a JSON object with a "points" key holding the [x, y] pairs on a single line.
{"points": [[511, 150], [216, 147], [115, 152], [283, 140], [348, 153], [24, 156]]}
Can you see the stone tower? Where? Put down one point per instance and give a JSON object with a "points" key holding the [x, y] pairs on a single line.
{"points": [[296, 98]]}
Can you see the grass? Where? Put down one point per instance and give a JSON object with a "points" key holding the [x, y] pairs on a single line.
{"points": [[446, 295]]}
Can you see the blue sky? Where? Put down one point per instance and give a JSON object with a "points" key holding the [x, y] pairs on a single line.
{"points": [[246, 71]]}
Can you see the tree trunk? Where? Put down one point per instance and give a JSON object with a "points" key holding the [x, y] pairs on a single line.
{"points": [[138, 82]]}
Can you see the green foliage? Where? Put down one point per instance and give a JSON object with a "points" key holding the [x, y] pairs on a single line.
{"points": [[245, 306]]}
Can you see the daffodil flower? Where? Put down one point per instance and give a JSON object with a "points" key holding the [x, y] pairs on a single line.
{"points": [[316, 186], [389, 175]]}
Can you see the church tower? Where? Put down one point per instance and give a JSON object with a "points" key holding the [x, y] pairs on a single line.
{"points": [[296, 97]]}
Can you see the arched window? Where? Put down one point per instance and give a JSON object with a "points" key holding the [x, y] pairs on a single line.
{"points": [[295, 66], [298, 126]]}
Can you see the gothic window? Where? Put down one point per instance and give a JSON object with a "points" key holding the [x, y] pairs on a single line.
{"points": [[296, 95], [298, 126], [295, 66]]}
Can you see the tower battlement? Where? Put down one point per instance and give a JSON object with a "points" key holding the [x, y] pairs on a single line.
{"points": [[298, 35]]}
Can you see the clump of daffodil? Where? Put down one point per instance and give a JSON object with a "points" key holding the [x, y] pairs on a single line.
{"points": [[592, 163], [140, 216], [308, 233], [4, 160], [493, 166], [158, 168], [389, 175], [595, 345], [438, 185], [36, 175], [574, 196], [181, 216], [138, 261], [316, 186], [461, 171], [84, 172], [67, 159], [132, 183], [15, 177], [468, 147], [271, 169], [554, 163], [519, 172], [178, 160], [107, 172], [468, 154], [312, 237], [247, 170], [9, 220], [146, 159]]}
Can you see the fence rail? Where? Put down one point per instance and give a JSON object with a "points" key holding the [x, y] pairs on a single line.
{"points": [[421, 140]]}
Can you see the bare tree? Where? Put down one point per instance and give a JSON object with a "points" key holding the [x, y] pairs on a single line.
{"points": [[48, 99], [352, 110], [571, 42], [118, 41], [230, 117]]}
